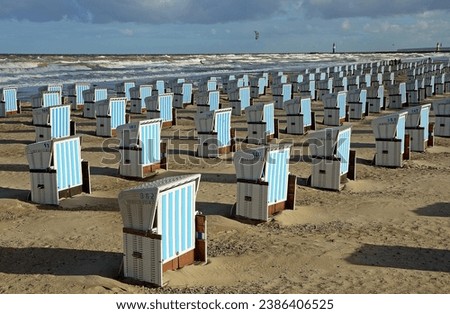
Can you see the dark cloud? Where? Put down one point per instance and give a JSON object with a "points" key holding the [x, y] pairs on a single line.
{"points": [[206, 11], [330, 9], [140, 11]]}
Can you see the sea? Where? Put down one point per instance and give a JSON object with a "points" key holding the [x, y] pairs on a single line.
{"points": [[28, 72]]}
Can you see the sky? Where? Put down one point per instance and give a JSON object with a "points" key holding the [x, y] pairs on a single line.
{"points": [[220, 26]]}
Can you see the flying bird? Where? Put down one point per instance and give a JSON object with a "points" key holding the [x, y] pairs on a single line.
{"points": [[256, 35]]}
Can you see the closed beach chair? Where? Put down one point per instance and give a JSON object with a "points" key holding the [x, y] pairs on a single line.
{"points": [[214, 133], [331, 158], [57, 170], [441, 110], [264, 184], [123, 89], [392, 146], [46, 99], [75, 96], [110, 113], [240, 99], [299, 116], [261, 126], [397, 96], [335, 108], [91, 96], [375, 98], [162, 230], [52, 122], [207, 101], [141, 149], [138, 95], [357, 103], [8, 101], [161, 107], [281, 93]]}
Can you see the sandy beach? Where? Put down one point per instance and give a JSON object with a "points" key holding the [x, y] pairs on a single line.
{"points": [[386, 232]]}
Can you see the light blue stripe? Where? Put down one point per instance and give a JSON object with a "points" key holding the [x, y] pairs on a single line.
{"points": [[77, 162], [160, 87], [127, 86], [164, 227], [269, 116], [101, 94], [70, 167], [363, 99], [381, 95], [401, 131], [287, 92], [305, 106], [214, 99], [277, 172], [68, 162], [50, 99], [330, 85], [342, 102], [343, 149], [211, 85], [402, 88], [146, 147], [424, 120], [60, 121], [368, 78], [178, 227], [190, 216], [79, 88], [345, 83], [244, 96], [55, 88], [144, 91], [187, 93], [165, 107], [171, 232], [261, 85], [222, 127], [117, 111], [312, 89], [10, 99], [60, 173], [245, 80], [184, 220], [150, 143]]}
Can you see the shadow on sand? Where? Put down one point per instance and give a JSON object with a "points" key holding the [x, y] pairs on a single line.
{"points": [[435, 210], [401, 257], [59, 262]]}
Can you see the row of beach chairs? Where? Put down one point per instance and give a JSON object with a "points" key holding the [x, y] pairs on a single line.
{"points": [[264, 183]]}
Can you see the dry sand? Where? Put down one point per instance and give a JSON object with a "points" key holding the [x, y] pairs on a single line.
{"points": [[386, 232]]}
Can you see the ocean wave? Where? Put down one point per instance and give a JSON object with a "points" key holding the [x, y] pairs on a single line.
{"points": [[29, 71]]}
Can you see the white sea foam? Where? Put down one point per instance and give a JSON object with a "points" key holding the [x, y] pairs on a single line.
{"points": [[27, 72]]}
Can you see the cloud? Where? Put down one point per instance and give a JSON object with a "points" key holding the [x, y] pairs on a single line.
{"points": [[346, 25], [330, 9], [127, 32], [143, 11]]}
